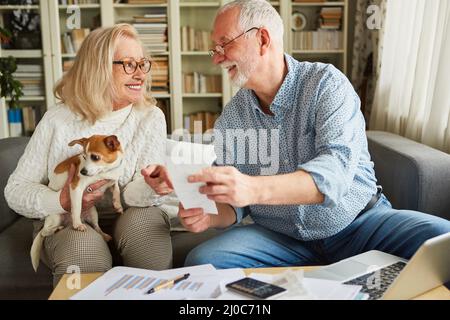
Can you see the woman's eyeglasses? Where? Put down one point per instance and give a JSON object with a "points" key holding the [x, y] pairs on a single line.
{"points": [[130, 65]]}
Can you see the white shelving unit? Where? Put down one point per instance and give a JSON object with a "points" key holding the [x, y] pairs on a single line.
{"points": [[38, 56], [198, 14], [311, 10]]}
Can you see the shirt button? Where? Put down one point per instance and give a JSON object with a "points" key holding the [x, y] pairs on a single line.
{"points": [[286, 161]]}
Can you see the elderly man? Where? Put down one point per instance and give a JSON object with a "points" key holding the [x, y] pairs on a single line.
{"points": [[316, 201]]}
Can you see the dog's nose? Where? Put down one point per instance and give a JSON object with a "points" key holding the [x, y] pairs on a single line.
{"points": [[84, 172]]}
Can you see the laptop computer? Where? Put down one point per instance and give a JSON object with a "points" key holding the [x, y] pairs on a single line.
{"points": [[385, 276]]}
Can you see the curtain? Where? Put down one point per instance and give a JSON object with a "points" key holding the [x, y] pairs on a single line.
{"points": [[412, 96], [366, 48]]}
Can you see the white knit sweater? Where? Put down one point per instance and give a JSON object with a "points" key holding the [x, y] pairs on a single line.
{"points": [[141, 132]]}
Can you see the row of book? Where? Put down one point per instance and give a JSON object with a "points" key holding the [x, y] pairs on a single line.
{"points": [[317, 40], [70, 2], [195, 40], [22, 121], [160, 74], [203, 119], [196, 82], [145, 1], [330, 18], [152, 30], [32, 79], [71, 41]]}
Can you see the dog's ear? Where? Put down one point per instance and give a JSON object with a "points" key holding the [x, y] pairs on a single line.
{"points": [[112, 143], [83, 142]]}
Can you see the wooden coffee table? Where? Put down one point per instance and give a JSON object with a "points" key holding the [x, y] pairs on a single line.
{"points": [[61, 292]]}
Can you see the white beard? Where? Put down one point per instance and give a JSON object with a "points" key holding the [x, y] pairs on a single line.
{"points": [[242, 73]]}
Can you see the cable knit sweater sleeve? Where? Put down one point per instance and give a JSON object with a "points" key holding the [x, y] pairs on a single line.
{"points": [[152, 131], [26, 191]]}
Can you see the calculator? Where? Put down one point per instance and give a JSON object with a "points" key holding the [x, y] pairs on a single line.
{"points": [[255, 288]]}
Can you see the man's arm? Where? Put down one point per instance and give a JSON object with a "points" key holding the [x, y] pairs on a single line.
{"points": [[297, 188], [228, 185]]}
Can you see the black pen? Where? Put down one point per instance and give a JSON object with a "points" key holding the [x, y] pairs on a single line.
{"points": [[168, 283]]}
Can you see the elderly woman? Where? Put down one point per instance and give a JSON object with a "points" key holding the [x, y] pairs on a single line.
{"points": [[105, 92]]}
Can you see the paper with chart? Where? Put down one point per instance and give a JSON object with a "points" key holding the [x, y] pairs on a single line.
{"points": [[124, 283], [188, 193]]}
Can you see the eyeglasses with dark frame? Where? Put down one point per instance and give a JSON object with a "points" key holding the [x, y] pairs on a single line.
{"points": [[130, 65], [220, 49]]}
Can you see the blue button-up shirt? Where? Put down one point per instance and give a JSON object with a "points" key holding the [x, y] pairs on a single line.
{"points": [[317, 127]]}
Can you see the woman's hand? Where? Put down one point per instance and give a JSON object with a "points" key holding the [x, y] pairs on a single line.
{"points": [[194, 219], [89, 198], [157, 177]]}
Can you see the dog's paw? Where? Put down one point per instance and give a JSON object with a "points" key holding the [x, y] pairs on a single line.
{"points": [[80, 227]]}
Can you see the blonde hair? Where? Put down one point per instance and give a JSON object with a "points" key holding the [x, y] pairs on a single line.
{"points": [[88, 88]]}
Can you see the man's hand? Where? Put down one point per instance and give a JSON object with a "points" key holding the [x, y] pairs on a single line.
{"points": [[89, 198], [194, 220], [226, 185], [157, 177]]}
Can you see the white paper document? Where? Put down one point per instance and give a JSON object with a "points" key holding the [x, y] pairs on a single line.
{"points": [[188, 193], [124, 283]]}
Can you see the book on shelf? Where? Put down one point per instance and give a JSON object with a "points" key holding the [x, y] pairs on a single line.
{"points": [[194, 40], [30, 118], [31, 78], [317, 40], [196, 82], [160, 74], [146, 1], [330, 18], [71, 41], [4, 126], [204, 118], [71, 2], [67, 64], [152, 29], [164, 105]]}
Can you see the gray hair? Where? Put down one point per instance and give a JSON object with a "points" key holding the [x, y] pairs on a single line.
{"points": [[257, 13]]}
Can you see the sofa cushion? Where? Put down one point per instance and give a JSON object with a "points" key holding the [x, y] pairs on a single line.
{"points": [[413, 175], [17, 277], [11, 150]]}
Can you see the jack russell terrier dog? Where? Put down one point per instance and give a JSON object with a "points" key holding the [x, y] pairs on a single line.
{"points": [[101, 159]]}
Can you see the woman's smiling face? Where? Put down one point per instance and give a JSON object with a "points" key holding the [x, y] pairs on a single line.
{"points": [[130, 88]]}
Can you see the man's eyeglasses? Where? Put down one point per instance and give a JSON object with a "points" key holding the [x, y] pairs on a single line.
{"points": [[221, 49], [130, 65]]}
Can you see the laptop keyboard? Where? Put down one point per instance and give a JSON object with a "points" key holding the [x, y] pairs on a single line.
{"points": [[377, 282]]}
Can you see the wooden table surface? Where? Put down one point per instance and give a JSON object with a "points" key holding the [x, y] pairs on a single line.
{"points": [[62, 292]]}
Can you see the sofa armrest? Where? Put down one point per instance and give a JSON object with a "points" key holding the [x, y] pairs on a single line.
{"points": [[413, 175], [11, 149]]}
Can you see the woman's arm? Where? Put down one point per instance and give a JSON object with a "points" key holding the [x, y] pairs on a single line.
{"points": [[26, 191], [137, 193]]}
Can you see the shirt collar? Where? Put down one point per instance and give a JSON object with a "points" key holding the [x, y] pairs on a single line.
{"points": [[278, 106]]}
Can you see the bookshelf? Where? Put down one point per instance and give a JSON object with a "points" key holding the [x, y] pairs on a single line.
{"points": [[32, 54], [176, 60], [313, 41]]}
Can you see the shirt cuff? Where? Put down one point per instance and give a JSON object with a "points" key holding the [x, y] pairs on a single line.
{"points": [[51, 203], [322, 184], [241, 213]]}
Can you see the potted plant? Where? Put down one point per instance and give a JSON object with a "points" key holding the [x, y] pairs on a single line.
{"points": [[12, 89]]}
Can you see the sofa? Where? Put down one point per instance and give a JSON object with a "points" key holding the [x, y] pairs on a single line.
{"points": [[17, 277], [413, 176]]}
